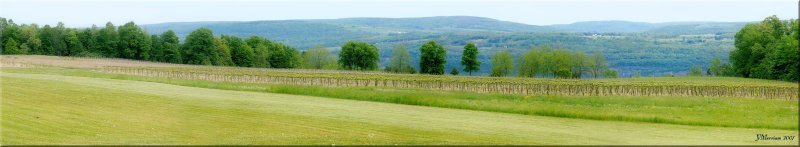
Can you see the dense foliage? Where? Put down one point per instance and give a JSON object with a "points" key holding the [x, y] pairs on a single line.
{"points": [[432, 58], [469, 58], [400, 61], [502, 64], [767, 50], [561, 63], [319, 58], [358, 56]]}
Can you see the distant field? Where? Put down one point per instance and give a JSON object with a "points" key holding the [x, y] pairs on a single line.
{"points": [[55, 100], [78, 110]]}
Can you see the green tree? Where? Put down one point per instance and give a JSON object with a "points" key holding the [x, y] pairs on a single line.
{"points": [[597, 64], [11, 36], [530, 64], [47, 41], [199, 47], [223, 55], [469, 58], [580, 64], [282, 56], [454, 71], [561, 63], [170, 45], [133, 42], [88, 37], [400, 61], [31, 42], [57, 39], [74, 45], [714, 69], [767, 50], [696, 70], [610, 73], [10, 47], [260, 51], [319, 58], [432, 58], [156, 48], [107, 40], [241, 53], [359, 56], [502, 64]]}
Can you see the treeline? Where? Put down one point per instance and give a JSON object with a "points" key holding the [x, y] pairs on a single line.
{"points": [[202, 47], [130, 41], [766, 50], [552, 63]]}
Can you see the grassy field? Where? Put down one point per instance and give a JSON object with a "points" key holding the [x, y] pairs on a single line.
{"points": [[701, 111], [75, 101], [80, 110], [663, 86]]}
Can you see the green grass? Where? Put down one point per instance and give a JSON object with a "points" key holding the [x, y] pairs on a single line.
{"points": [[57, 109], [699, 111]]}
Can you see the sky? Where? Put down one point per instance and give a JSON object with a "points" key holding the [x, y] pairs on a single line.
{"points": [[83, 13]]}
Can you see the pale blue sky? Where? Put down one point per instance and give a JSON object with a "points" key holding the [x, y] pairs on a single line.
{"points": [[80, 13]]}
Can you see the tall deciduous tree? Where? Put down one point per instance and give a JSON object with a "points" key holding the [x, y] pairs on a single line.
{"points": [[714, 69], [580, 64], [170, 45], [30, 39], [133, 42], [223, 55], [359, 56], [107, 40], [74, 45], [561, 63], [432, 58], [47, 43], [319, 58], [767, 50], [502, 64], [156, 49], [469, 58], [260, 51], [400, 61], [57, 39], [11, 38], [531, 63], [10, 46], [597, 63], [88, 37], [283, 56], [241, 53], [199, 47]]}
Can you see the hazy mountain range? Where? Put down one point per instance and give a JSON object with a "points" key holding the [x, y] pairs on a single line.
{"points": [[365, 26]]}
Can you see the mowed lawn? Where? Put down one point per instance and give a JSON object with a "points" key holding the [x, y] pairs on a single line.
{"points": [[55, 109]]}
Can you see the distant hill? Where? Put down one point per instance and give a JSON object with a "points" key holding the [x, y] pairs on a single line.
{"points": [[668, 27], [440, 23], [606, 26], [699, 28]]}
